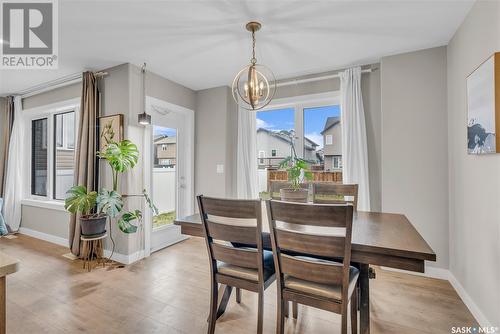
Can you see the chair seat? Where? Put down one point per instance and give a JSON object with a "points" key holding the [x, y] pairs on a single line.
{"points": [[328, 291], [248, 273]]}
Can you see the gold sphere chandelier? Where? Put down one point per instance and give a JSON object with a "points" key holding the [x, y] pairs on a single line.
{"points": [[255, 85]]}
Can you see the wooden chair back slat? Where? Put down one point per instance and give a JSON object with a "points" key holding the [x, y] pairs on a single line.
{"points": [[318, 245], [242, 257], [288, 243], [318, 272], [232, 233], [335, 193], [308, 214], [230, 208]]}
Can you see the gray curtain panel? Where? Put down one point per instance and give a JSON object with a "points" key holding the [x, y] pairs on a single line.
{"points": [[85, 157], [7, 118]]}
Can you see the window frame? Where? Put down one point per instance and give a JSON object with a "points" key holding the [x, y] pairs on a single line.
{"points": [[299, 103], [49, 112]]}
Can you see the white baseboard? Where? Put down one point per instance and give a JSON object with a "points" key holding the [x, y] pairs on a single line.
{"points": [[125, 259], [447, 275], [44, 236], [473, 308], [432, 272], [121, 258]]}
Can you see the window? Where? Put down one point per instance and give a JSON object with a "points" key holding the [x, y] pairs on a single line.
{"points": [[262, 155], [273, 135], [64, 154], [164, 147], [337, 162], [321, 134], [52, 153], [39, 163]]}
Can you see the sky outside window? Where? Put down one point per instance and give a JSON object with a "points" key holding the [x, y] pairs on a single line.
{"points": [[276, 120], [315, 119]]}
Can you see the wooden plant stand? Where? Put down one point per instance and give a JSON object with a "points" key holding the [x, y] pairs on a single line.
{"points": [[92, 250]]}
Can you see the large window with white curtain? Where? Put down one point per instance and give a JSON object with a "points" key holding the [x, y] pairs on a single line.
{"points": [[315, 122]]}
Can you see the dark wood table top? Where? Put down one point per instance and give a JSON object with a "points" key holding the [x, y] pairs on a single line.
{"points": [[373, 233]]}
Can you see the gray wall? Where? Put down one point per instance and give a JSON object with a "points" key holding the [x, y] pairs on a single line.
{"points": [[474, 180], [215, 142], [48, 221], [414, 143], [53, 96]]}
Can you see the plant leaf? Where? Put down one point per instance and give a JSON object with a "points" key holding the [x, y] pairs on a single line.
{"points": [[109, 202], [79, 200], [124, 223], [121, 156]]}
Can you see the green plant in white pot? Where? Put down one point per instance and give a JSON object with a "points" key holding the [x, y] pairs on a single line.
{"points": [[298, 171]]}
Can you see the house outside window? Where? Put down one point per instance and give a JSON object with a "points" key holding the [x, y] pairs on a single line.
{"points": [[273, 153], [52, 152], [328, 140]]}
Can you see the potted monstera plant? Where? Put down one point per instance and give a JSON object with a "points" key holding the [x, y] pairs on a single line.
{"points": [[96, 207], [298, 171]]}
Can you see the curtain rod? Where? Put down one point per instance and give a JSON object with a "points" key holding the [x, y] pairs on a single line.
{"points": [[56, 83], [324, 77]]}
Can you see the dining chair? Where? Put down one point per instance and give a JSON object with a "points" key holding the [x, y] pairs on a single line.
{"points": [[335, 193], [233, 234], [321, 230], [275, 186]]}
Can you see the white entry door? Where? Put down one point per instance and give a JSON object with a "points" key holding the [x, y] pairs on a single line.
{"points": [[168, 171]]}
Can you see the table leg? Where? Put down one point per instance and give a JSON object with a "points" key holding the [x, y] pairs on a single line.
{"points": [[3, 306], [364, 307], [224, 300]]}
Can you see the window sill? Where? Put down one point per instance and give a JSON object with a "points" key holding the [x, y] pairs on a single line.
{"points": [[45, 204]]}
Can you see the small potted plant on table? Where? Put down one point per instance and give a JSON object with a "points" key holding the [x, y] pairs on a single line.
{"points": [[298, 171]]}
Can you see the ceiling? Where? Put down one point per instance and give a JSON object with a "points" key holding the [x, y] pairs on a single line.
{"points": [[203, 44]]}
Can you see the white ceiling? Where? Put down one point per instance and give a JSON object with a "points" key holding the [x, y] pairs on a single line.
{"points": [[203, 44]]}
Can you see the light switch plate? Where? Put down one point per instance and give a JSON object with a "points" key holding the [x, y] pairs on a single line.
{"points": [[220, 169]]}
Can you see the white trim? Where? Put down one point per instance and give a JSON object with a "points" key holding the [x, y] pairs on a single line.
{"points": [[308, 101], [162, 114], [447, 275], [44, 203], [471, 305], [121, 258], [125, 259], [323, 77], [44, 236]]}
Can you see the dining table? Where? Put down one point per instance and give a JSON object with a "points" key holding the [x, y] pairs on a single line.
{"points": [[378, 238]]}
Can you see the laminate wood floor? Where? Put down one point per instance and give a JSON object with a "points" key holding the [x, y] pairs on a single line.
{"points": [[169, 293]]}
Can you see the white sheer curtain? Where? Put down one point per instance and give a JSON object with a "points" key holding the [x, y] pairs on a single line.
{"points": [[354, 146], [14, 178], [247, 181]]}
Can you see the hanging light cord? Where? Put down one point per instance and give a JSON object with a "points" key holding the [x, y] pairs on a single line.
{"points": [[143, 70], [253, 60]]}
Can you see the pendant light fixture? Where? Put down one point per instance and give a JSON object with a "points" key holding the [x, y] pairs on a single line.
{"points": [[144, 118], [255, 85]]}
